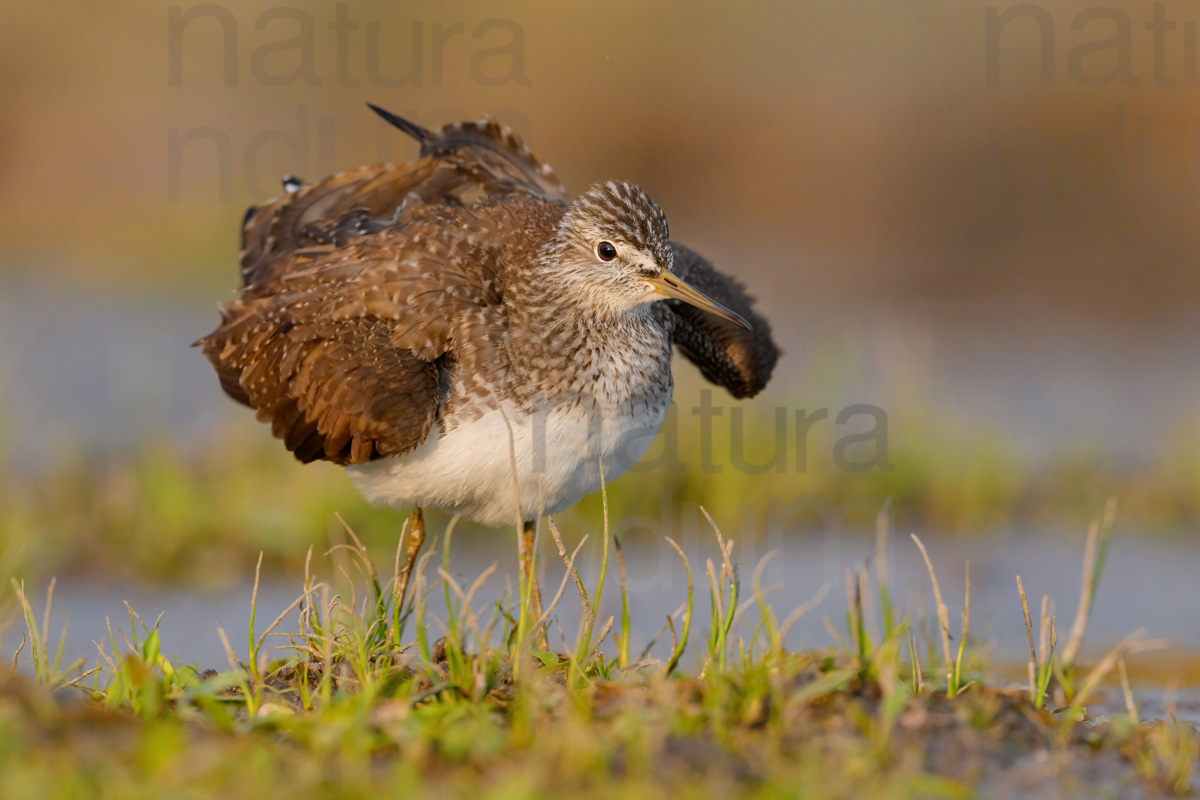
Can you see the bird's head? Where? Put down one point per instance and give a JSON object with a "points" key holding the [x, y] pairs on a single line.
{"points": [[613, 242]]}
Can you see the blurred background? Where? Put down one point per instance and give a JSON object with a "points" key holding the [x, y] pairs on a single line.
{"points": [[971, 225]]}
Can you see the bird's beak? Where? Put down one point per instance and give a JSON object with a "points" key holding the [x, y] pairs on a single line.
{"points": [[672, 286]]}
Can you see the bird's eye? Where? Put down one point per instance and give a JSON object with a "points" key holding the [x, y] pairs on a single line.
{"points": [[606, 251]]}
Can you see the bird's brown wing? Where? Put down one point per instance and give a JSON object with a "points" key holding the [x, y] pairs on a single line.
{"points": [[740, 360], [341, 346], [487, 152], [461, 163], [355, 202]]}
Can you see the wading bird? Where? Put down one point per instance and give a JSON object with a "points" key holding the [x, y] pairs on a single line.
{"points": [[458, 332]]}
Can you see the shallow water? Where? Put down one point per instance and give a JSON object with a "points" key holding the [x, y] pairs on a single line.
{"points": [[1148, 584]]}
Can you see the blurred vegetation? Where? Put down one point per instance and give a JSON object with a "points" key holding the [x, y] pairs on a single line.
{"points": [[846, 144], [162, 514]]}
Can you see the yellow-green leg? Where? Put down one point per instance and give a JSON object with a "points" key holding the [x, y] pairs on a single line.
{"points": [[416, 538], [527, 569]]}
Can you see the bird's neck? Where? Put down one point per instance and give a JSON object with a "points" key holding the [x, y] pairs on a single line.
{"points": [[556, 333]]}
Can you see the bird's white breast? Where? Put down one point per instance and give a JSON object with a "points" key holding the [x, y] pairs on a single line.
{"points": [[557, 452]]}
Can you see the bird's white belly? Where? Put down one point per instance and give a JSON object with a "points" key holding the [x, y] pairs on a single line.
{"points": [[557, 453]]}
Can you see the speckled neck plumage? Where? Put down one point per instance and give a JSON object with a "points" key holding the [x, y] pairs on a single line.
{"points": [[555, 346]]}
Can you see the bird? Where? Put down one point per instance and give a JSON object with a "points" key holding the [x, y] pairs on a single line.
{"points": [[458, 332]]}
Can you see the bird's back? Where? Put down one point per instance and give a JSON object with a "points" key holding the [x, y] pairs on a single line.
{"points": [[460, 164]]}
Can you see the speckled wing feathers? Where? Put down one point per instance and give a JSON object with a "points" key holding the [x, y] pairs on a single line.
{"points": [[459, 162], [489, 152], [361, 300]]}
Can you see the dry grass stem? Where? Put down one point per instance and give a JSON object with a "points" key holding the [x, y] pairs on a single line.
{"points": [[17, 654], [1033, 658], [234, 664], [669, 624], [833, 634], [562, 586], [726, 546], [1130, 705], [1085, 596], [571, 571], [801, 610], [1131, 644], [283, 614], [943, 612]]}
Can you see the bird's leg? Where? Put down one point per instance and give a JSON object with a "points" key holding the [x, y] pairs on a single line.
{"points": [[527, 568], [416, 538]]}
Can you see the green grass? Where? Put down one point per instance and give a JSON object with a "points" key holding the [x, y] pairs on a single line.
{"points": [[450, 695]]}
